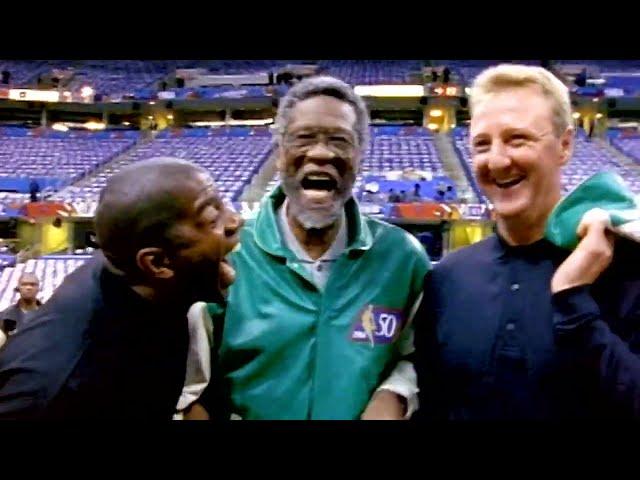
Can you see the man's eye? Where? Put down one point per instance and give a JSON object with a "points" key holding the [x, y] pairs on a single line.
{"points": [[304, 136], [518, 140], [480, 146]]}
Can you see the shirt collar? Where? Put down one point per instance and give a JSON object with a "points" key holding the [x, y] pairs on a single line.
{"points": [[538, 249]]}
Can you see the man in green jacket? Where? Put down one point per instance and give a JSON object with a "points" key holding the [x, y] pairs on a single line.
{"points": [[319, 319]]}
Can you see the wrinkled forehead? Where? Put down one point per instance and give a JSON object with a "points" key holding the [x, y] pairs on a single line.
{"points": [[189, 188], [322, 112], [196, 192]]}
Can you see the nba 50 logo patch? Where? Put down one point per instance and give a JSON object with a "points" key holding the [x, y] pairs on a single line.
{"points": [[377, 325]]}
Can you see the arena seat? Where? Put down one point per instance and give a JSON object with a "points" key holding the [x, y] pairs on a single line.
{"points": [[50, 270], [588, 158]]}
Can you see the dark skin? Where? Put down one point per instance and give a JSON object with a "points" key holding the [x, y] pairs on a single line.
{"points": [[179, 233], [333, 121], [315, 241], [28, 287], [200, 232]]}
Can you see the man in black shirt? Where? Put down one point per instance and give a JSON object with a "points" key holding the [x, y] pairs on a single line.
{"points": [[112, 341], [17, 315], [514, 327]]}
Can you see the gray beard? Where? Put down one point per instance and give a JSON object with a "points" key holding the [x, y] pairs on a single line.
{"points": [[312, 220]]}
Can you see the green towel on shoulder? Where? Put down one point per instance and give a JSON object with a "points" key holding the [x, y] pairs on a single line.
{"points": [[604, 190]]}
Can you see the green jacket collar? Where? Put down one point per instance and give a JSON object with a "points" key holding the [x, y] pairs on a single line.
{"points": [[268, 237]]}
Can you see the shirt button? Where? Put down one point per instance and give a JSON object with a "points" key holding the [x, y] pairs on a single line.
{"points": [[515, 287], [510, 326]]}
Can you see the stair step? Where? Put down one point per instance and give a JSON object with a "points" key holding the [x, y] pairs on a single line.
{"points": [[451, 166]]}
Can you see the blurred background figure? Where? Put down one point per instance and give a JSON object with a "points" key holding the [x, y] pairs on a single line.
{"points": [[16, 316]]}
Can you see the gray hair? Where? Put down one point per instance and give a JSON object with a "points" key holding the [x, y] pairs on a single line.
{"points": [[330, 87]]}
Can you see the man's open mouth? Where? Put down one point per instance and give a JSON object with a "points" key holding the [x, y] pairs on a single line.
{"points": [[508, 183], [227, 273], [319, 181]]}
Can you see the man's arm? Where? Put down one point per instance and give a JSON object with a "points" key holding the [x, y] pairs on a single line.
{"points": [[578, 322], [580, 329], [198, 368], [36, 362], [397, 397], [22, 383], [8, 321], [425, 358], [211, 402]]}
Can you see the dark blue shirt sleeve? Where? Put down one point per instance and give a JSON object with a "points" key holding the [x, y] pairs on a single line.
{"points": [[425, 356], [579, 327], [36, 362]]}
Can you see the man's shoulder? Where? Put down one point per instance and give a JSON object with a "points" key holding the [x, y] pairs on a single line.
{"points": [[248, 242], [474, 256], [9, 313], [41, 356], [75, 291], [387, 235], [82, 283], [74, 300]]}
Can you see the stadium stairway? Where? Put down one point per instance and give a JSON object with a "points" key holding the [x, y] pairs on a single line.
{"points": [[50, 270], [266, 178], [119, 161], [622, 158], [452, 167], [261, 182]]}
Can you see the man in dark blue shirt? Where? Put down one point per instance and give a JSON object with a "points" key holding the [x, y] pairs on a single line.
{"points": [[514, 327], [112, 341]]}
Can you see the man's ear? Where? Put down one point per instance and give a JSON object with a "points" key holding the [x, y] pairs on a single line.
{"points": [[279, 155], [566, 144], [154, 263]]}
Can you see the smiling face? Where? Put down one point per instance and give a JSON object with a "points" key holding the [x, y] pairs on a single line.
{"points": [[318, 160], [517, 155], [203, 239]]}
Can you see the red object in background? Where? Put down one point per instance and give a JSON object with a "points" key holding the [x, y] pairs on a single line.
{"points": [[422, 211], [629, 132], [45, 209], [4, 93]]}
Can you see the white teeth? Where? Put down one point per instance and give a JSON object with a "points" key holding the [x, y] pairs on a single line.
{"points": [[320, 176], [506, 182], [317, 194]]}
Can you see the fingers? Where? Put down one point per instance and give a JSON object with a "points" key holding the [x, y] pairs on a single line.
{"points": [[610, 237], [596, 219]]}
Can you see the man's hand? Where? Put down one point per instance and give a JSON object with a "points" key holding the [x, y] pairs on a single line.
{"points": [[195, 411], [592, 255], [385, 405]]}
